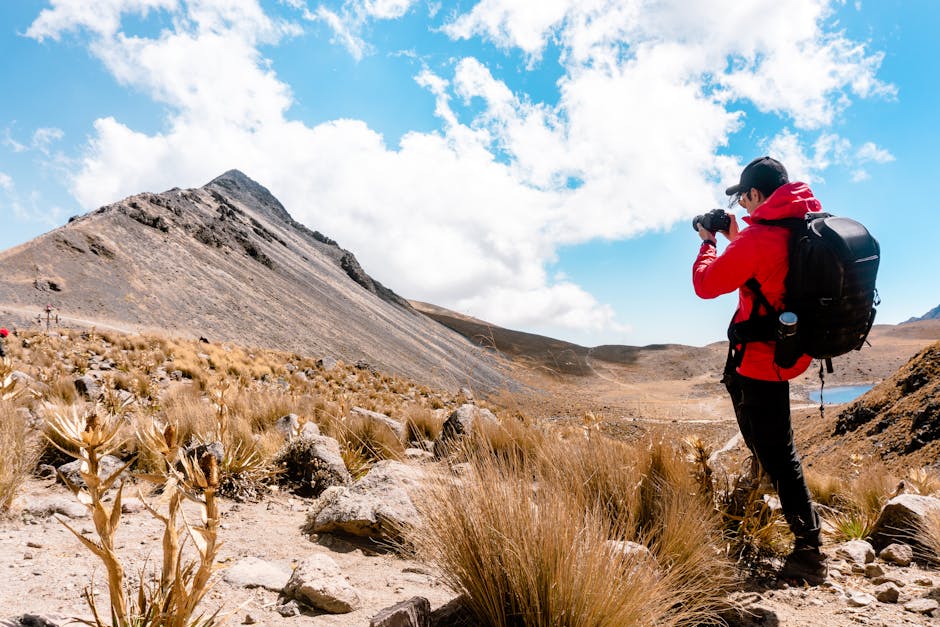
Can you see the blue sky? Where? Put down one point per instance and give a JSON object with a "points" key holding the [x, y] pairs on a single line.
{"points": [[531, 163]]}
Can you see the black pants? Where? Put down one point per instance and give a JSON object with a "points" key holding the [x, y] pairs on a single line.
{"points": [[763, 412]]}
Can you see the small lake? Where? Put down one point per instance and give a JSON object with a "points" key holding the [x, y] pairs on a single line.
{"points": [[839, 394]]}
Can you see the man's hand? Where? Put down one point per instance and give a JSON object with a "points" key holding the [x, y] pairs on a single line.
{"points": [[731, 234]]}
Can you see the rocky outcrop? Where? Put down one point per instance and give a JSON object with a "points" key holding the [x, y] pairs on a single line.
{"points": [[376, 507], [318, 582], [900, 519]]}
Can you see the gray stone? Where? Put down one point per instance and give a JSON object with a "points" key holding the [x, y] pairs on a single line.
{"points": [[318, 582], [459, 423], [418, 455], [899, 554], [251, 572], [107, 465], [415, 612], [378, 506], [397, 428], [40, 620], [886, 579], [42, 507], [873, 570], [309, 430], [87, 387], [887, 593], [289, 609], [327, 363], [921, 606], [856, 552], [859, 599], [901, 517], [288, 426], [312, 464]]}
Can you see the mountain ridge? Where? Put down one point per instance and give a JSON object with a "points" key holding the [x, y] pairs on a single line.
{"points": [[227, 261]]}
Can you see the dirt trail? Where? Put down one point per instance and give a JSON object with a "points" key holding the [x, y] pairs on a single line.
{"points": [[31, 313]]}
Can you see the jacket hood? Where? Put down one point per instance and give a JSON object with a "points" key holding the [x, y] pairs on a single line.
{"points": [[793, 200]]}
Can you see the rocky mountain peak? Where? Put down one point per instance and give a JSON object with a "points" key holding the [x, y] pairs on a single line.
{"points": [[236, 185]]}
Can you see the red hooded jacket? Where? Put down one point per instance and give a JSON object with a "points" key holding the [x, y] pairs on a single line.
{"points": [[761, 252]]}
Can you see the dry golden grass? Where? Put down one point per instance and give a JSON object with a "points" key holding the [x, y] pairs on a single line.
{"points": [[859, 504], [526, 535], [422, 423], [19, 451]]}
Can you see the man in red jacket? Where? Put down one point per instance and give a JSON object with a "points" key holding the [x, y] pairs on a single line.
{"points": [[759, 388]]}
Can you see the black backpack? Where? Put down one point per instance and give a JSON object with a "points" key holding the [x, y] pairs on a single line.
{"points": [[830, 286]]}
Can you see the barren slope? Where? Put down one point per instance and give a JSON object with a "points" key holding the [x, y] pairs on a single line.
{"points": [[227, 262]]}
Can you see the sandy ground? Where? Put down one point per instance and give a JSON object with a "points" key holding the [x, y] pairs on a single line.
{"points": [[46, 568]]}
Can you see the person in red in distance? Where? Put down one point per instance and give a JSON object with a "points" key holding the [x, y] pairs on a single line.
{"points": [[759, 388], [3, 336]]}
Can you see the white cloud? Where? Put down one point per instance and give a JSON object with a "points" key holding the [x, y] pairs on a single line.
{"points": [[6, 182], [870, 152], [347, 25], [102, 17], [43, 138], [471, 216]]}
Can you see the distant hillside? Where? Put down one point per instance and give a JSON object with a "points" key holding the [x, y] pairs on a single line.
{"points": [[899, 419], [565, 358], [226, 261], [933, 314]]}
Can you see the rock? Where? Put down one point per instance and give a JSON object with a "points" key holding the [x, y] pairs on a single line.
{"points": [[467, 393], [899, 554], [921, 606], [885, 579], [309, 430], [107, 465], [327, 363], [933, 593], [415, 612], [249, 620], [454, 612], [873, 570], [251, 572], [397, 428], [131, 505], [856, 552], [900, 518], [38, 620], [87, 387], [887, 593], [42, 507], [311, 465], [288, 426], [459, 423], [377, 506], [418, 455], [289, 609], [318, 582], [859, 599]]}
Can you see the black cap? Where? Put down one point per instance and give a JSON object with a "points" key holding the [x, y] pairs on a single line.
{"points": [[764, 173]]}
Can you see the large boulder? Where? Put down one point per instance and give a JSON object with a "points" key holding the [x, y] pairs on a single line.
{"points": [[107, 465], [310, 465], [397, 428], [900, 519], [461, 422], [317, 581], [377, 507]]}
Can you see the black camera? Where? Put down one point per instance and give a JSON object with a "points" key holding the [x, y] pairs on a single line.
{"points": [[713, 221]]}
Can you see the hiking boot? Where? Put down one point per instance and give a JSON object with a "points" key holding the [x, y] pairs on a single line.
{"points": [[806, 565]]}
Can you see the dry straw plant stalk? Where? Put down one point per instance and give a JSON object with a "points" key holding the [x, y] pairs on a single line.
{"points": [[172, 601]]}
